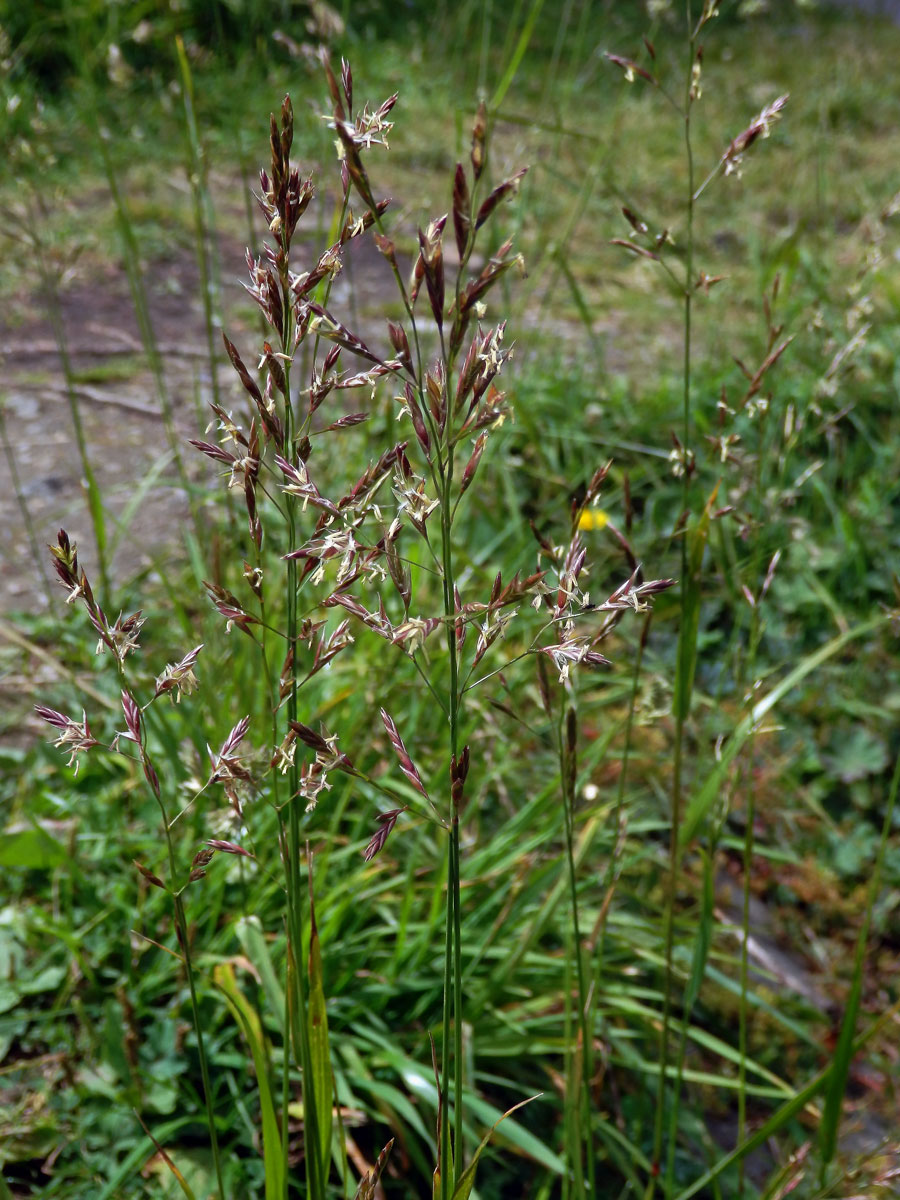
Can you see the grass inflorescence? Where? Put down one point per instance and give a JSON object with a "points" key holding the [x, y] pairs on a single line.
{"points": [[454, 790]]}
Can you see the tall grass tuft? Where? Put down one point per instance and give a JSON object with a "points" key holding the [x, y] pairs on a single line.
{"points": [[379, 550], [390, 786]]}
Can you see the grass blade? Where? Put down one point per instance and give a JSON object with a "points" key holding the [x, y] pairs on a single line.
{"points": [[253, 943], [843, 1054], [251, 1028], [703, 800], [320, 1093], [463, 1189], [180, 1179], [782, 1115], [518, 54]]}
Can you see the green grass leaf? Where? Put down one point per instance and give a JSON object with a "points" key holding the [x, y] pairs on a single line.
{"points": [[251, 1028], [703, 800], [320, 1059]]}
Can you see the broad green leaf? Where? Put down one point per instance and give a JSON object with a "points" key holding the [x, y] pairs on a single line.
{"points": [[46, 980], [31, 848], [253, 943], [252, 1029], [463, 1189]]}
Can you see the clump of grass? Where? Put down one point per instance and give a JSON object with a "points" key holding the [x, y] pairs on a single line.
{"points": [[351, 550], [355, 532], [751, 478]]}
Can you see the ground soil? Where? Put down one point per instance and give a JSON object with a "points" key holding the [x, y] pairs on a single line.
{"points": [[120, 409]]}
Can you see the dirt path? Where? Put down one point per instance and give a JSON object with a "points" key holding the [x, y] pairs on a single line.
{"points": [[121, 411]]}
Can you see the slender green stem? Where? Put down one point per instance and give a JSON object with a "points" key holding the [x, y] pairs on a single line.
{"points": [[568, 770], [181, 923], [182, 930], [452, 968], [132, 262], [750, 816], [458, 1061], [744, 971], [620, 789], [276, 801], [845, 1049], [316, 1170], [446, 1149], [678, 754]]}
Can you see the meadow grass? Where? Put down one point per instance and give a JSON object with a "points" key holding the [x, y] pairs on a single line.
{"points": [[515, 872]]}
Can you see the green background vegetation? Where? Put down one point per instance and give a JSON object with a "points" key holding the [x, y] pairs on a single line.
{"points": [[94, 1015]]}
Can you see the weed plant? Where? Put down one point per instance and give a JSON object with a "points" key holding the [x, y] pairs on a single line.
{"points": [[383, 884]]}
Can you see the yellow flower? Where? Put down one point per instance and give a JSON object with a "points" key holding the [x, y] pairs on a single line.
{"points": [[593, 518]]}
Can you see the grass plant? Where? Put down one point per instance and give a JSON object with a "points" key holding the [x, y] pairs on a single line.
{"points": [[415, 850], [448, 404]]}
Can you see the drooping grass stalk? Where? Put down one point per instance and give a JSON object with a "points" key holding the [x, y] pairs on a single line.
{"points": [[121, 638], [24, 511]]}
